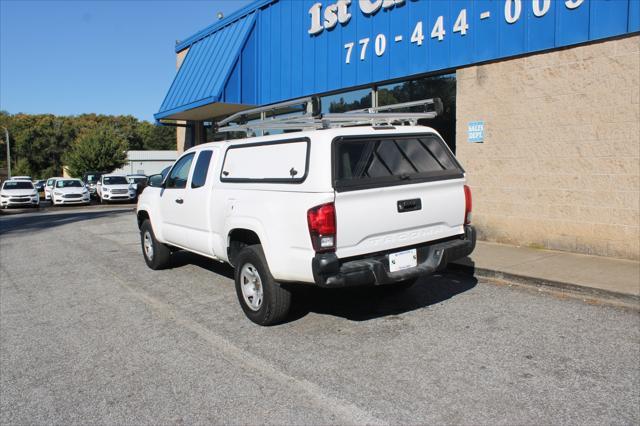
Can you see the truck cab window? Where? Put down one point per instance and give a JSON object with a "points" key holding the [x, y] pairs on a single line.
{"points": [[202, 167], [180, 172]]}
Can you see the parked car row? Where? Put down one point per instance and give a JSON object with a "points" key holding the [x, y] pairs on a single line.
{"points": [[21, 191]]}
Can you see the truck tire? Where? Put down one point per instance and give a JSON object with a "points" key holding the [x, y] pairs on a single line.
{"points": [[263, 300], [156, 254]]}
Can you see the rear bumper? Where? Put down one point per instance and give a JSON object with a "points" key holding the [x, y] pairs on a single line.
{"points": [[329, 271]]}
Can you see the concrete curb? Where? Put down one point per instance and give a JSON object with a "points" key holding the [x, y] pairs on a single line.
{"points": [[629, 300]]}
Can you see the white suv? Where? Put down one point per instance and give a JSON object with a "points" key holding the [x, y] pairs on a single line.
{"points": [[334, 208], [115, 188]]}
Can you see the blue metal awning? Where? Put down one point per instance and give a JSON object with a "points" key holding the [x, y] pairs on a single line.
{"points": [[206, 69]]}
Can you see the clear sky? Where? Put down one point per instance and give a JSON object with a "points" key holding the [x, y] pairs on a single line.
{"points": [[105, 56]]}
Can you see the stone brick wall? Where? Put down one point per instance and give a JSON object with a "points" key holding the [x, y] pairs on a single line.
{"points": [[560, 164], [180, 131]]}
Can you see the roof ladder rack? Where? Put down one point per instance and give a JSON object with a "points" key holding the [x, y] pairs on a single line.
{"points": [[311, 118]]}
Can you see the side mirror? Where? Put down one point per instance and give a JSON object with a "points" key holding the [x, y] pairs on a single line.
{"points": [[155, 181]]}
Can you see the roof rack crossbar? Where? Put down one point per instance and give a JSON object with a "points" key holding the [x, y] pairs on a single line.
{"points": [[239, 116], [313, 119]]}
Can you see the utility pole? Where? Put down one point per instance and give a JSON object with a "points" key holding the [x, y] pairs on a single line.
{"points": [[6, 134]]}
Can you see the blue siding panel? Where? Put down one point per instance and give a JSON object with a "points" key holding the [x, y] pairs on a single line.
{"points": [[397, 51], [572, 25], [486, 38], [419, 12], [264, 53], [608, 18], [634, 16], [540, 29], [438, 50], [512, 35], [232, 88], [249, 84], [298, 30], [461, 46], [334, 78], [348, 32]]}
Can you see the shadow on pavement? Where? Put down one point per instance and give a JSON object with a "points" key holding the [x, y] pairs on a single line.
{"points": [[19, 224], [366, 303], [182, 258], [357, 303]]}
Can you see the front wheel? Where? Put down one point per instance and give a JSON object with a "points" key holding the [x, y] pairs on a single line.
{"points": [[156, 254], [263, 300]]}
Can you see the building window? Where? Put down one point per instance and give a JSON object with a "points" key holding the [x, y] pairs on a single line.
{"points": [[443, 87], [348, 101]]}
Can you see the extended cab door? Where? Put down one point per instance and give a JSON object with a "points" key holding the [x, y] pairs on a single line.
{"points": [[395, 191], [197, 211], [175, 217]]}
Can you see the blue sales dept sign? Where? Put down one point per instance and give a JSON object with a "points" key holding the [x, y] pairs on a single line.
{"points": [[475, 133]]}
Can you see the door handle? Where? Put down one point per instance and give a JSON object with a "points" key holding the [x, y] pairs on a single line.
{"points": [[179, 200]]}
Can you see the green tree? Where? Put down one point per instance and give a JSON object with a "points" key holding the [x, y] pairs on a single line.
{"points": [[39, 142], [156, 137], [99, 148]]}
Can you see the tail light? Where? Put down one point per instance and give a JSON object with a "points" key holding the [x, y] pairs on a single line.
{"points": [[322, 227], [467, 205]]}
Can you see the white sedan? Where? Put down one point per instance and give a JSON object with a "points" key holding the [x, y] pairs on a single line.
{"points": [[69, 191], [18, 193]]}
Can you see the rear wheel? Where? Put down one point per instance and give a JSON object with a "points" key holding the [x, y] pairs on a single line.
{"points": [[263, 300], [156, 254]]}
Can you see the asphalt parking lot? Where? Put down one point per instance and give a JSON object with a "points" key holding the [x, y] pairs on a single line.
{"points": [[88, 334]]}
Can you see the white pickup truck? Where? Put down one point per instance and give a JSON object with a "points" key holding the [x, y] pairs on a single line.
{"points": [[335, 207]]}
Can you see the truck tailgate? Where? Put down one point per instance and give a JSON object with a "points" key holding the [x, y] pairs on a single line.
{"points": [[374, 220], [394, 191]]}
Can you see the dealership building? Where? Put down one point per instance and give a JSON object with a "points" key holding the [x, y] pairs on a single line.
{"points": [[541, 97]]}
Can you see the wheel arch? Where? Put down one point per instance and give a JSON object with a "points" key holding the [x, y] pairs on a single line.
{"points": [[143, 215], [238, 238]]}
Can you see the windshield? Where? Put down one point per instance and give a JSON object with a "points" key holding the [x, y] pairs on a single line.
{"points": [[50, 182], [92, 178], [71, 183], [23, 184], [137, 179], [115, 180]]}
